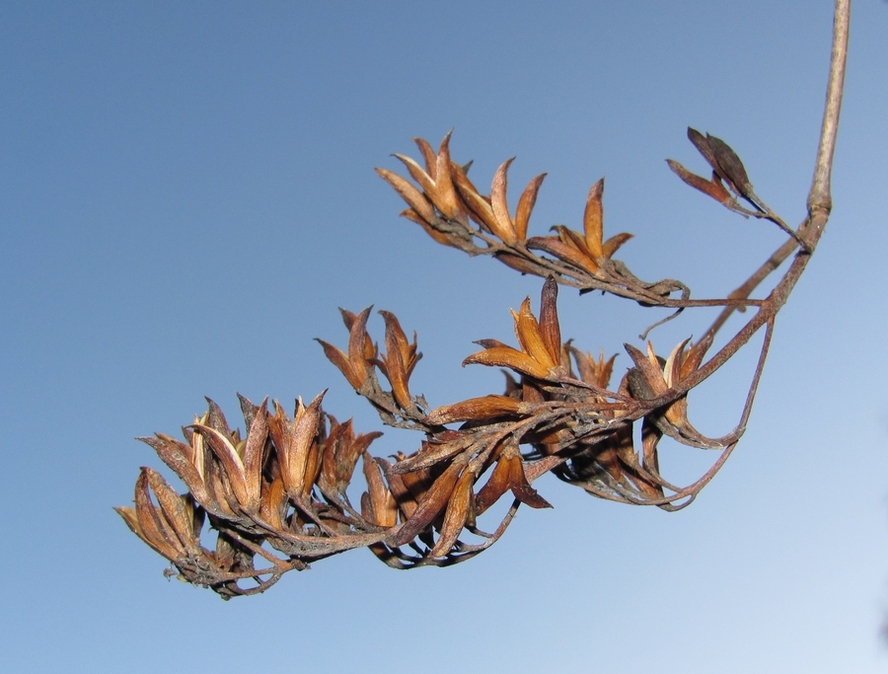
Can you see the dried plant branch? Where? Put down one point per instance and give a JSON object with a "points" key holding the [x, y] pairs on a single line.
{"points": [[281, 491]]}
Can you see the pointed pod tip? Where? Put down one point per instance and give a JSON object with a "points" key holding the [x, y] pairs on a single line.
{"points": [[445, 142]]}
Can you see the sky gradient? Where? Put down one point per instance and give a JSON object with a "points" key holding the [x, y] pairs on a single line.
{"points": [[187, 195]]}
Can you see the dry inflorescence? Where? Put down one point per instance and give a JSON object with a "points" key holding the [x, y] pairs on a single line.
{"points": [[277, 495]]}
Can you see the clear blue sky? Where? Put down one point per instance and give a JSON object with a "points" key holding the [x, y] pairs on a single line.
{"points": [[187, 194]]}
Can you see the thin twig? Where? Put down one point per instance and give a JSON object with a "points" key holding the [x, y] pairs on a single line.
{"points": [[820, 196]]}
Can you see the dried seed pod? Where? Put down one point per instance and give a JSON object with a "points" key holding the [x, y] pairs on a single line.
{"points": [[525, 206], [593, 220], [730, 165], [456, 515], [356, 364], [484, 408], [505, 228]]}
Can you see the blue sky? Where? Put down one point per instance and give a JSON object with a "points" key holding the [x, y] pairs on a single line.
{"points": [[187, 195]]}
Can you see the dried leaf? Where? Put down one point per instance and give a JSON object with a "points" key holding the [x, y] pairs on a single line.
{"points": [[730, 165], [398, 488], [400, 359], [430, 506], [650, 437], [254, 453], [231, 463], [712, 188], [701, 142], [248, 409], [312, 467], [428, 155], [530, 337], [651, 374], [456, 515], [304, 431], [216, 419], [521, 487], [525, 206], [613, 244], [340, 359], [505, 229], [385, 509], [414, 198], [273, 505], [550, 329], [511, 358], [174, 512], [566, 253], [179, 457], [447, 200], [479, 207], [425, 182], [518, 263], [444, 238], [593, 220], [482, 408], [497, 485], [155, 530], [132, 521], [221, 495], [357, 346]]}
